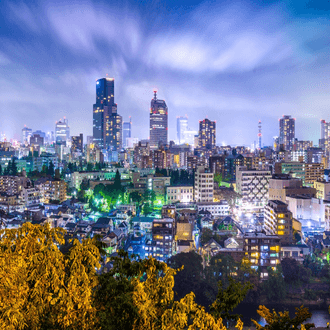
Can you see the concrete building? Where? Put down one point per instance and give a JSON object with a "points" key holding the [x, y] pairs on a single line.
{"points": [[313, 172], [322, 189], [252, 185], [182, 194], [184, 238], [217, 209], [207, 134], [278, 220], [203, 185], [287, 132], [282, 185], [262, 251], [158, 122], [163, 231]]}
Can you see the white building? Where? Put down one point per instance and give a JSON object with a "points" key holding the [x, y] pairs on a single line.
{"points": [[31, 196], [217, 209], [203, 185], [182, 194], [252, 185]]}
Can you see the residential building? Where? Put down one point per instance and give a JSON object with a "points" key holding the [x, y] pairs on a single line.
{"points": [[182, 194], [163, 231], [262, 251], [282, 185], [322, 189], [207, 134], [216, 209], [287, 132], [278, 220], [203, 185], [158, 123], [184, 236], [313, 172], [252, 185], [77, 143]]}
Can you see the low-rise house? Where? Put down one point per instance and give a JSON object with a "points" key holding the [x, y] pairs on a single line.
{"points": [[144, 222], [297, 252]]}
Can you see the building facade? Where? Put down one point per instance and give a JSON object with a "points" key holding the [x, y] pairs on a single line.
{"points": [[158, 122], [127, 132], [278, 220], [204, 185], [287, 132], [207, 134], [252, 185], [181, 127], [107, 123], [62, 132]]}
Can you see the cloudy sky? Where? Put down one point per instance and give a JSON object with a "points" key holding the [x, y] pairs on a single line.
{"points": [[233, 62]]}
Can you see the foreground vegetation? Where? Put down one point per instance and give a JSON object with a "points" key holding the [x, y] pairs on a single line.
{"points": [[49, 283]]}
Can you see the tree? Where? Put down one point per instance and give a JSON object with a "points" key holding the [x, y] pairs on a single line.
{"points": [[13, 169], [149, 196], [274, 287], [136, 197], [117, 182], [0, 169], [218, 178], [290, 269], [41, 287], [228, 298], [282, 320], [51, 169]]}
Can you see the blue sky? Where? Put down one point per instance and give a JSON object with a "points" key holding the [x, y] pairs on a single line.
{"points": [[233, 62]]}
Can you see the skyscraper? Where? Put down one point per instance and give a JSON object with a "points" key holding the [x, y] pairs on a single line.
{"points": [[206, 135], [107, 123], [158, 122], [325, 132], [127, 131], [62, 132], [181, 127], [26, 134], [287, 132]]}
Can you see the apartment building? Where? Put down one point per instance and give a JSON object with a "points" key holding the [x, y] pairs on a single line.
{"points": [[181, 194], [278, 220], [262, 251], [163, 231], [203, 185]]}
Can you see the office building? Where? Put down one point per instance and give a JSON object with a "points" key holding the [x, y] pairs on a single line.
{"points": [[158, 123], [287, 132], [62, 132], [77, 143], [181, 127], [252, 185], [36, 140], [203, 185], [107, 123], [26, 134], [127, 132], [207, 134], [278, 220], [325, 132], [180, 194]]}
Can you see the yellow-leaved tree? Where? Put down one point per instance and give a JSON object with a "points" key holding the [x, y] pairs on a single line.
{"points": [[154, 298], [42, 288]]}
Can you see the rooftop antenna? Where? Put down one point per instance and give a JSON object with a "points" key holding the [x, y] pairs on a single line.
{"points": [[155, 94]]}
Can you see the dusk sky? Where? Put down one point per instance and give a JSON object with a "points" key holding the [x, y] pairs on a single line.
{"points": [[233, 62]]}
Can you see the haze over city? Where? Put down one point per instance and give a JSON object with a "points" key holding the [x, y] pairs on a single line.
{"points": [[233, 62]]}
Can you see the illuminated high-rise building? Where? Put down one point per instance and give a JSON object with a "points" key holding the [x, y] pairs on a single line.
{"points": [[158, 122], [107, 123], [127, 131], [206, 135], [181, 127], [62, 132], [26, 134], [325, 135], [287, 132]]}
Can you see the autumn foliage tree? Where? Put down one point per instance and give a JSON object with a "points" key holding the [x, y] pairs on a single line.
{"points": [[42, 288]]}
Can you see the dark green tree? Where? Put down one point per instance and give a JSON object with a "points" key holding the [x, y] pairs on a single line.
{"points": [[117, 182], [0, 170], [228, 298], [51, 169], [274, 287], [13, 169], [7, 170], [90, 167]]}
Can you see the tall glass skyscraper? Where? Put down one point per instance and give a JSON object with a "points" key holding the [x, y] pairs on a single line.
{"points": [[207, 134], [158, 122], [107, 123], [127, 131], [287, 132], [181, 128]]}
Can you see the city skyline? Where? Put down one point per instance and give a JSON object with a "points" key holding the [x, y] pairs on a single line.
{"points": [[265, 60]]}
